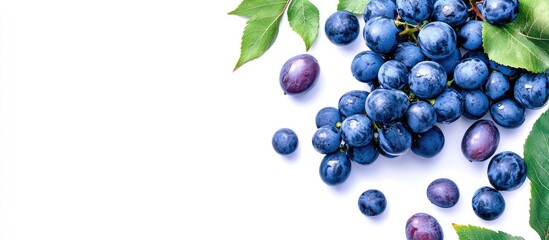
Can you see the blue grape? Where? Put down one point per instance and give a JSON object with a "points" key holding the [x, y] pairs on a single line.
{"points": [[448, 106], [299, 74], [475, 103], [335, 168], [480, 141], [532, 90], [449, 64], [381, 35], [326, 139], [393, 75], [453, 12], [500, 12], [285, 141], [506, 171], [395, 139], [471, 73], [372, 202], [470, 35], [488, 203], [380, 8], [507, 113], [505, 70], [386, 105], [497, 86], [363, 155], [427, 79], [342, 27], [477, 54], [437, 40], [408, 53], [428, 144], [365, 66], [443, 192], [422, 226], [328, 116], [357, 130], [352, 102], [414, 11], [420, 116]]}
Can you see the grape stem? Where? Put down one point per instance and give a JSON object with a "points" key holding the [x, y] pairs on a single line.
{"points": [[475, 9], [409, 29]]}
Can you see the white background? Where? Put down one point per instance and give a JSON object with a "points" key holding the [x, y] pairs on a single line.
{"points": [[124, 120]]}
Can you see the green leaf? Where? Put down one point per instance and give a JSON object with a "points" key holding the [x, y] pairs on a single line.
{"points": [[470, 232], [304, 17], [354, 6], [261, 29], [536, 156], [523, 43]]}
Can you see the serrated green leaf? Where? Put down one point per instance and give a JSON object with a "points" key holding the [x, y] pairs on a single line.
{"points": [[523, 43], [261, 29], [304, 17], [536, 156], [354, 6], [470, 232]]}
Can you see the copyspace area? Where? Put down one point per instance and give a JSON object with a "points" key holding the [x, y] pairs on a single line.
{"points": [[124, 120]]}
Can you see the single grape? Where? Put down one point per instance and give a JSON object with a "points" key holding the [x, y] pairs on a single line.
{"points": [[363, 155], [386, 105], [470, 35], [381, 35], [299, 74], [326, 139], [437, 40], [357, 130], [342, 27], [335, 168], [453, 12], [372, 202], [365, 66], [480, 141], [328, 116], [394, 138], [414, 11], [443, 192], [475, 103], [449, 64], [471, 73], [380, 8], [500, 12], [477, 54], [507, 113], [420, 116], [497, 86], [532, 90], [422, 226], [448, 106], [506, 171], [352, 102], [285, 141], [488, 203], [392, 75], [505, 70], [408, 53], [428, 144], [427, 79]]}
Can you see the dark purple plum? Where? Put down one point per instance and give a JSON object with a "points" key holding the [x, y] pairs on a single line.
{"points": [[443, 192], [506, 171], [372, 202], [480, 141], [422, 226], [335, 168], [285, 141], [299, 74], [488, 203]]}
